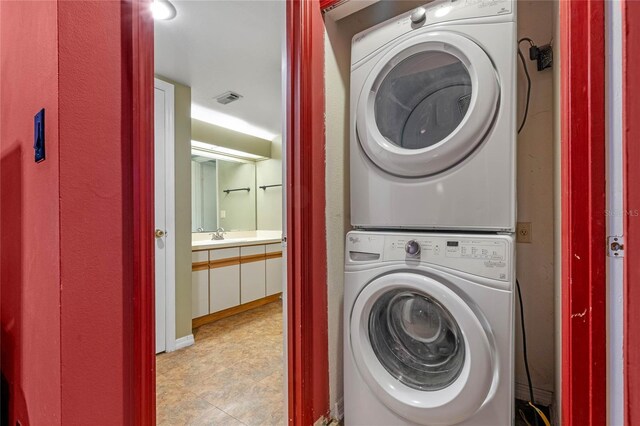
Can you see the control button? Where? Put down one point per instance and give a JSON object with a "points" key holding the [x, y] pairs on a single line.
{"points": [[412, 248], [418, 15]]}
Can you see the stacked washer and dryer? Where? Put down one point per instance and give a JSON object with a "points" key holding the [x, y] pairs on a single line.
{"points": [[430, 268]]}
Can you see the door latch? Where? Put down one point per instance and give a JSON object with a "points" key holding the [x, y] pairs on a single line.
{"points": [[615, 246]]}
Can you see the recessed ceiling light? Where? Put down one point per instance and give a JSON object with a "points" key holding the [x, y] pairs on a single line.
{"points": [[163, 10], [229, 122]]}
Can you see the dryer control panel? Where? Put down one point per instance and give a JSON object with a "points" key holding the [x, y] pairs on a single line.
{"points": [[486, 256], [431, 15]]}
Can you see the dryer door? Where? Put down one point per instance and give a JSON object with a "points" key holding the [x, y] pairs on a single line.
{"points": [[421, 349], [427, 104]]}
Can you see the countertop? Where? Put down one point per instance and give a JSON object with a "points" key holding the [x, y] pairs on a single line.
{"points": [[262, 237]]}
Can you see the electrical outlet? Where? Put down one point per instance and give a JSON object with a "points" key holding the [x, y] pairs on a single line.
{"points": [[523, 232]]}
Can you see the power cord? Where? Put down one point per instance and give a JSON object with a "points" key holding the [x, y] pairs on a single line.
{"points": [[526, 73], [526, 365], [543, 56]]}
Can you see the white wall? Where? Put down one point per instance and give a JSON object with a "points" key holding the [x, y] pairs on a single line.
{"points": [[535, 263], [269, 201], [535, 186]]}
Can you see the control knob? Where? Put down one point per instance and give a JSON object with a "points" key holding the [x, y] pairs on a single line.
{"points": [[418, 15], [412, 248]]}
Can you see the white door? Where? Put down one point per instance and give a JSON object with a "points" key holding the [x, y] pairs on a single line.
{"points": [[164, 218], [421, 349], [427, 104]]}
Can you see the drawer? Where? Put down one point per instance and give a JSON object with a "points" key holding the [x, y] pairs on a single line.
{"points": [[274, 248], [225, 253], [251, 250], [199, 256]]}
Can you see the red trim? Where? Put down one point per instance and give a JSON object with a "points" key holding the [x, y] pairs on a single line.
{"points": [[306, 252], [631, 115], [583, 220], [327, 4], [138, 26]]}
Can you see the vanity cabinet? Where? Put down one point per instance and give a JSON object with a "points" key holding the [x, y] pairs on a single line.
{"points": [[252, 271], [199, 283], [224, 279], [273, 269]]}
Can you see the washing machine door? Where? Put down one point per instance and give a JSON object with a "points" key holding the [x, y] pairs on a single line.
{"points": [[427, 104], [421, 349]]}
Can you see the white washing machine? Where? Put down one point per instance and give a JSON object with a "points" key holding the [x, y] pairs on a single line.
{"points": [[428, 329], [433, 119]]}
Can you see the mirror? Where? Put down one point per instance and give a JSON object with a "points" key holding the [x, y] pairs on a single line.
{"points": [[223, 195]]}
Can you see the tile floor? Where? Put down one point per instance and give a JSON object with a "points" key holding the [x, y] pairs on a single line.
{"points": [[231, 376]]}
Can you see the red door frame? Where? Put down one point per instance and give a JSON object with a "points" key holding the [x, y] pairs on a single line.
{"points": [[584, 382], [631, 136], [137, 34], [306, 253]]}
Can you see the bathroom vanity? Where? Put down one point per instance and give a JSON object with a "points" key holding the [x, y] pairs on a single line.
{"points": [[229, 276]]}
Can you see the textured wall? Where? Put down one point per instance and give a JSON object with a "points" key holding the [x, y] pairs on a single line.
{"points": [[96, 216], [30, 220]]}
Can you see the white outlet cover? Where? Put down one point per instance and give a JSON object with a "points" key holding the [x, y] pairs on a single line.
{"points": [[223, 214]]}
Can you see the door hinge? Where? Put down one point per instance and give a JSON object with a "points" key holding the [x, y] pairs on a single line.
{"points": [[615, 246]]}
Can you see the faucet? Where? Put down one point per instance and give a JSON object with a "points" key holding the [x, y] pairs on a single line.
{"points": [[218, 235], [200, 229]]}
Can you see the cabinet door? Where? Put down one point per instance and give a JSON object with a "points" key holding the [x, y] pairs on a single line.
{"points": [[224, 278], [199, 283], [199, 293], [274, 269], [252, 273], [224, 290]]}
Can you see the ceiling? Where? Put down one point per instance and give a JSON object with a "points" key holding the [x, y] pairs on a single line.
{"points": [[217, 46]]}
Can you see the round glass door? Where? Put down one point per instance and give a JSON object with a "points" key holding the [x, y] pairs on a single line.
{"points": [[427, 104], [416, 340], [423, 99], [421, 349]]}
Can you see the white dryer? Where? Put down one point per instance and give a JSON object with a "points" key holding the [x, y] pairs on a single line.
{"points": [[428, 329], [433, 119]]}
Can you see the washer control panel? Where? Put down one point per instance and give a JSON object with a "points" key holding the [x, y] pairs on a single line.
{"points": [[486, 256]]}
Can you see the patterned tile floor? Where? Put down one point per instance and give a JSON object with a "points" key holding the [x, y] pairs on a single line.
{"points": [[231, 376]]}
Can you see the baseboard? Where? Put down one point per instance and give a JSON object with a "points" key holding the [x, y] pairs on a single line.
{"points": [[338, 410], [543, 397], [206, 319], [185, 341]]}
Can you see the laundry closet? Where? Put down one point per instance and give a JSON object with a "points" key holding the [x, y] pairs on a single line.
{"points": [[442, 205]]}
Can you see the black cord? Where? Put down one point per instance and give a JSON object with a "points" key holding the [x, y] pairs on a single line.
{"points": [[524, 348], [526, 73]]}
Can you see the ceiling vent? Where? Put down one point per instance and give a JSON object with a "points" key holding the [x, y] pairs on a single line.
{"points": [[228, 97]]}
